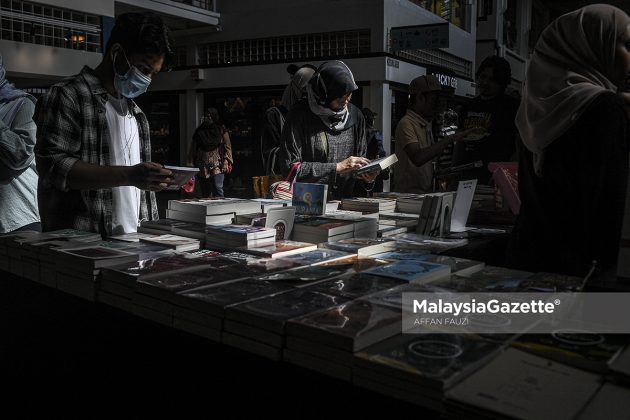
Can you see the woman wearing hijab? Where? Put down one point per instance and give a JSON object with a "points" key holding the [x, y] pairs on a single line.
{"points": [[573, 169], [325, 133], [275, 116], [18, 176]]}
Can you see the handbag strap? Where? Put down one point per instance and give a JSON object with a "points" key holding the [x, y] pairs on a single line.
{"points": [[292, 176]]}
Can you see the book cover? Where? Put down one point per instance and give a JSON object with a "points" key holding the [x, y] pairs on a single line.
{"points": [[401, 255], [360, 246], [435, 361], [213, 299], [305, 276], [349, 327], [518, 382], [280, 248], [316, 256], [132, 237], [163, 287], [356, 285], [581, 349], [376, 165], [180, 175], [281, 219], [272, 312], [309, 198], [411, 271]]}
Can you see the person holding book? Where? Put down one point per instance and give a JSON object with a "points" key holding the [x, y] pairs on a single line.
{"points": [[416, 148], [573, 168], [18, 175], [325, 133], [93, 147], [494, 110], [211, 152]]}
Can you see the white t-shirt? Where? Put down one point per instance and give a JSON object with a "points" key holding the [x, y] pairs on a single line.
{"points": [[124, 150]]}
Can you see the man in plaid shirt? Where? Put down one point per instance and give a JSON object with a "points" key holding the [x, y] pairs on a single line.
{"points": [[93, 145]]}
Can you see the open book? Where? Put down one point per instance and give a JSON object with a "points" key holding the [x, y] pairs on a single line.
{"points": [[376, 165]]}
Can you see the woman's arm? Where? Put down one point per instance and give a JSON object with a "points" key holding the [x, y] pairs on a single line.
{"points": [[17, 143]]}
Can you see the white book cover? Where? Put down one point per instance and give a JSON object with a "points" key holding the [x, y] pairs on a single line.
{"points": [[524, 386]]}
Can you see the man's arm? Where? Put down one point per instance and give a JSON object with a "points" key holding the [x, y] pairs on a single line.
{"points": [[148, 176], [421, 155], [17, 142]]}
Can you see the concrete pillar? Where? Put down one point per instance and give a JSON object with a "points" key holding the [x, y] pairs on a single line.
{"points": [[380, 101], [190, 113]]}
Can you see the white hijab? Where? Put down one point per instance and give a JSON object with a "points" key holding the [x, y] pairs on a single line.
{"points": [[573, 62]]}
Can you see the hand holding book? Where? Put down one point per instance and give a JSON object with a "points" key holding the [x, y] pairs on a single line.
{"points": [[471, 134], [351, 163]]}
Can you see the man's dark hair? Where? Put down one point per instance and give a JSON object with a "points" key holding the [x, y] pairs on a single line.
{"points": [[143, 33], [501, 70]]}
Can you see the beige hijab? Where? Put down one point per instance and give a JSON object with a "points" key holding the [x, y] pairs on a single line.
{"points": [[573, 62]]}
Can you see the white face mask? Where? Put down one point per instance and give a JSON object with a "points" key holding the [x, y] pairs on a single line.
{"points": [[133, 83]]}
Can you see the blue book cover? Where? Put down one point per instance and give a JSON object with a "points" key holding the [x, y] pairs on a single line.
{"points": [[309, 198], [413, 271]]}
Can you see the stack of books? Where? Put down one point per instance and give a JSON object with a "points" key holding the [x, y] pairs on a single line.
{"points": [[201, 311], [78, 269], [393, 223], [420, 368], [237, 236], [20, 254], [258, 326], [326, 340], [459, 266], [251, 219], [279, 249], [154, 297], [360, 246], [270, 203], [368, 205], [319, 229], [412, 271], [160, 226], [488, 279], [410, 203], [210, 211], [353, 285], [118, 283], [307, 276], [178, 243], [317, 256], [191, 230]]}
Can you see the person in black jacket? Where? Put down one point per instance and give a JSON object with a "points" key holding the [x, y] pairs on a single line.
{"points": [[573, 168], [325, 133], [276, 115]]}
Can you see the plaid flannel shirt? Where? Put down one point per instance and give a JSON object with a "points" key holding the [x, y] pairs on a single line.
{"points": [[71, 126]]}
